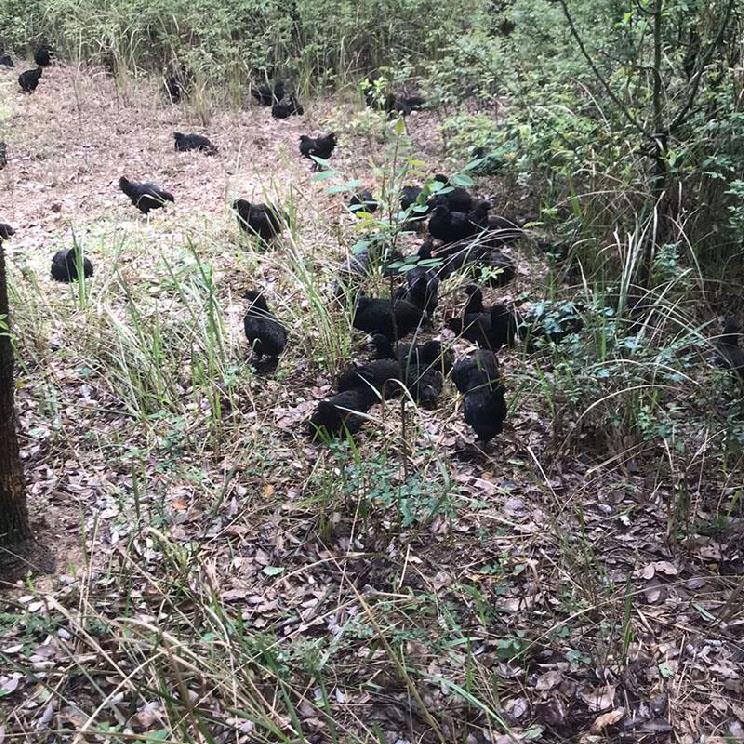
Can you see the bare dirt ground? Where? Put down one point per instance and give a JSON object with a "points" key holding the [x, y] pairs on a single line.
{"points": [[227, 579]]}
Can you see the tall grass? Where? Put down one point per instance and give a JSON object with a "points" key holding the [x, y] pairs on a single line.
{"points": [[318, 43]]}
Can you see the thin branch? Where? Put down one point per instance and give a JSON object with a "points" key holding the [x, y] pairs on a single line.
{"points": [[682, 115], [623, 108]]}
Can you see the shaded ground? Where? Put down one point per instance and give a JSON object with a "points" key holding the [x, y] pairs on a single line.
{"points": [[217, 573]]}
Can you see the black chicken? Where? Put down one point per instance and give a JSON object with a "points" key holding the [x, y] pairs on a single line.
{"points": [[485, 411], [730, 354], [145, 196], [176, 87], [363, 201], [65, 266], [340, 413], [6, 60], [455, 198], [404, 104], [352, 271], [390, 102], [382, 100], [3, 155], [266, 335], [470, 255], [477, 378], [267, 95], [186, 142], [422, 365], [262, 220], [421, 290], [380, 315], [478, 215], [491, 328], [409, 195], [501, 231], [430, 354], [500, 269], [287, 107], [29, 80], [449, 227], [43, 56], [476, 371], [317, 147], [381, 375], [424, 384], [6, 232]]}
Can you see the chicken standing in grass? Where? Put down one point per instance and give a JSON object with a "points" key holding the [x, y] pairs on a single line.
{"points": [[363, 201], [317, 147], [145, 196], [730, 354], [43, 56], [423, 366], [6, 60], [448, 226], [65, 266], [381, 375], [266, 95], [176, 88], [186, 142], [6, 232], [392, 319], [491, 328], [266, 335], [262, 220], [341, 413], [409, 195], [421, 290], [287, 107], [29, 80], [455, 198], [477, 378], [473, 256]]}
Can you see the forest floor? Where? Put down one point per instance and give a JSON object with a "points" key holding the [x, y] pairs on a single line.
{"points": [[221, 578]]}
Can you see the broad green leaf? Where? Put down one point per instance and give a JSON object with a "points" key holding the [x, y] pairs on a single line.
{"points": [[461, 179], [324, 175]]}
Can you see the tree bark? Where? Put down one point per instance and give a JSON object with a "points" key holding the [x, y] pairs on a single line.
{"points": [[14, 526]]}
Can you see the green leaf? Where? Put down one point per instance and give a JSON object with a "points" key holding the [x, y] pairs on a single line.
{"points": [[324, 175], [461, 179], [666, 671], [273, 570], [533, 733], [361, 246], [474, 164], [160, 735]]}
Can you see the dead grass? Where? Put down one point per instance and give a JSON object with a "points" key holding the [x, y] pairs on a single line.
{"points": [[220, 579]]}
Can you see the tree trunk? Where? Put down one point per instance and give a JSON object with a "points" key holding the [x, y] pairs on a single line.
{"points": [[659, 176], [14, 527]]}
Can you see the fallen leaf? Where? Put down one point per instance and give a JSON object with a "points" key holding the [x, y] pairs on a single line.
{"points": [[599, 699], [607, 719], [549, 680]]}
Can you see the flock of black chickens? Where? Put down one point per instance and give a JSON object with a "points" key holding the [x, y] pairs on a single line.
{"points": [[463, 236]]}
